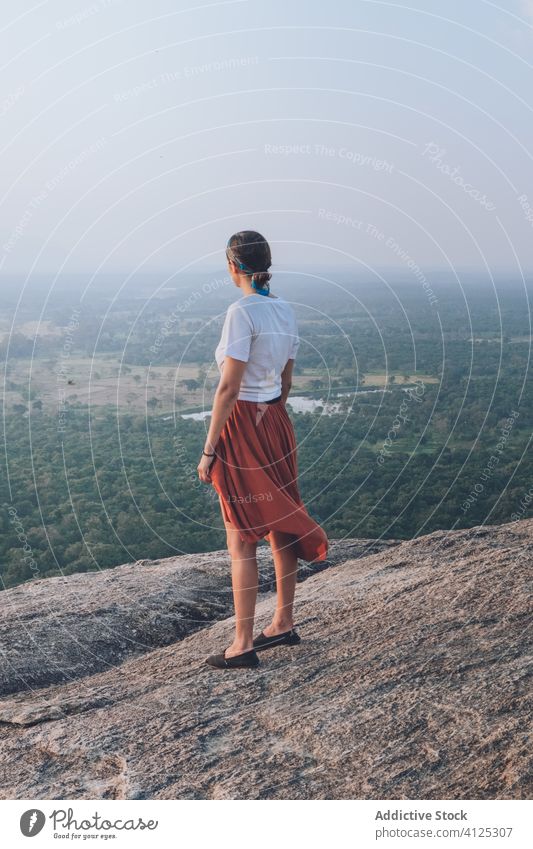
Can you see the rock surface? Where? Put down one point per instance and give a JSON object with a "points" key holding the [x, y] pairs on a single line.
{"points": [[58, 629], [411, 681]]}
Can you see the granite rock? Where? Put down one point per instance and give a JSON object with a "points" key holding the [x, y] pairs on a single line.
{"points": [[56, 630], [411, 682]]}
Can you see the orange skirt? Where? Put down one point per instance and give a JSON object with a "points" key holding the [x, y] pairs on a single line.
{"points": [[255, 475]]}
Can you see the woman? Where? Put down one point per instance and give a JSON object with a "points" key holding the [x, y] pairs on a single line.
{"points": [[250, 452]]}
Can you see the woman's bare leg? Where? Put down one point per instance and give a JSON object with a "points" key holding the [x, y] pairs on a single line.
{"points": [[244, 581], [286, 567]]}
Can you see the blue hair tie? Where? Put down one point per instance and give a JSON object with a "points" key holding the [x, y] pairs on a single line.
{"points": [[261, 290]]}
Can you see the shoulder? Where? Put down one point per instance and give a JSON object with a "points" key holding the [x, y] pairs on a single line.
{"points": [[288, 307], [239, 311], [237, 306], [278, 299]]}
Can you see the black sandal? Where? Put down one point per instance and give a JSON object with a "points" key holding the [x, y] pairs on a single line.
{"points": [[289, 638], [247, 660]]}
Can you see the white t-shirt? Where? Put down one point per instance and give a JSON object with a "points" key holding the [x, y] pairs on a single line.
{"points": [[262, 332]]}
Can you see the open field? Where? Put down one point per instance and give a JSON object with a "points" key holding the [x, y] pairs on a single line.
{"points": [[102, 381], [380, 378], [30, 329]]}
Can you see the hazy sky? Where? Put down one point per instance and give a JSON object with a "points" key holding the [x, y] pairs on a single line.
{"points": [[138, 136]]}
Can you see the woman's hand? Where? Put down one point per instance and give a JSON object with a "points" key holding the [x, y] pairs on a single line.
{"points": [[223, 404], [203, 468]]}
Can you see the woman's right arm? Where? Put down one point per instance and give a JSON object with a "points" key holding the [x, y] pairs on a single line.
{"points": [[286, 380]]}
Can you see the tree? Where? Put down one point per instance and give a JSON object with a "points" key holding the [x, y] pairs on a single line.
{"points": [[190, 385]]}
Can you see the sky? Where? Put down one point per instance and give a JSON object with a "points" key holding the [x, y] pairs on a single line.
{"points": [[136, 138]]}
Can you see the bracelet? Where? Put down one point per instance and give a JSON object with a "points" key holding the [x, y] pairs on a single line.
{"points": [[209, 455]]}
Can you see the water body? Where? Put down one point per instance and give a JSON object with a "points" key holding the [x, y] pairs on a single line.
{"points": [[300, 404]]}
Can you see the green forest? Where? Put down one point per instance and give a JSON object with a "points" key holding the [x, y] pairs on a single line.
{"points": [[442, 441]]}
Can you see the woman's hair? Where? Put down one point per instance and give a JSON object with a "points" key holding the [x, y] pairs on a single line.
{"points": [[251, 253]]}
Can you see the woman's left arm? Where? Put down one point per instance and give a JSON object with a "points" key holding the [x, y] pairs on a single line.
{"points": [[223, 403]]}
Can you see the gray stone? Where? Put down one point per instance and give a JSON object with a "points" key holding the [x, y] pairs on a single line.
{"points": [[411, 681]]}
